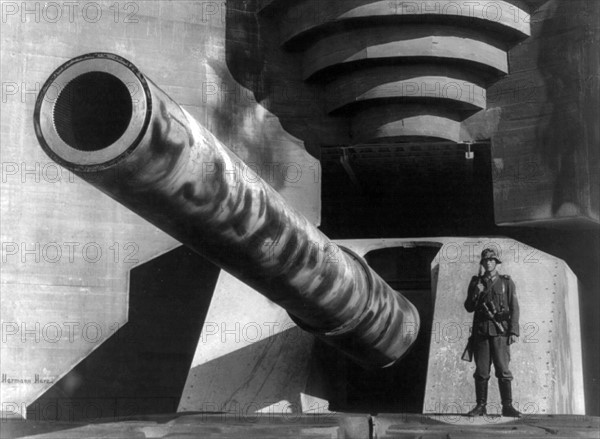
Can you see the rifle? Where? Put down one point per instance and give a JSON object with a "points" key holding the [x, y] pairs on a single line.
{"points": [[467, 354]]}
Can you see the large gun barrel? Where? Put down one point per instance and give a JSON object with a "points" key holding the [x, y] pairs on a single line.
{"points": [[101, 118]]}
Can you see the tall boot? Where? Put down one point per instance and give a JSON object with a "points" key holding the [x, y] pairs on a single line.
{"points": [[481, 391], [506, 396]]}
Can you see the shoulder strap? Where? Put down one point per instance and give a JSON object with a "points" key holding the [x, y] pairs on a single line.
{"points": [[503, 297]]}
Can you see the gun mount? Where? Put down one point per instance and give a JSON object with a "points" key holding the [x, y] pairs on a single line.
{"points": [[100, 117]]}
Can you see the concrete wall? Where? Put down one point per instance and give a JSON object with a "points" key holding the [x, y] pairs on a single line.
{"points": [[67, 249], [542, 119], [250, 356]]}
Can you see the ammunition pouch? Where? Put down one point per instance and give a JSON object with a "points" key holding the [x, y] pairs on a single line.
{"points": [[503, 316]]}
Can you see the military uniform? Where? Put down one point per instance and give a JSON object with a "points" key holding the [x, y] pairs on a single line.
{"points": [[489, 345], [493, 299]]}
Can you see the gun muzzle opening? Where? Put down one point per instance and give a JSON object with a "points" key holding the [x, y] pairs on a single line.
{"points": [[91, 111]]}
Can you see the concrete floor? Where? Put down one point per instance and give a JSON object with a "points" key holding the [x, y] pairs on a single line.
{"points": [[334, 426]]}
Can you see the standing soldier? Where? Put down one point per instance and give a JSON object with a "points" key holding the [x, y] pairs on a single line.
{"points": [[495, 327]]}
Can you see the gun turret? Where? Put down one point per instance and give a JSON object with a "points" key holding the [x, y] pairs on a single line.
{"points": [[101, 118]]}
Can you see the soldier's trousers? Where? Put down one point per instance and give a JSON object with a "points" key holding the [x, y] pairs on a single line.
{"points": [[488, 350]]}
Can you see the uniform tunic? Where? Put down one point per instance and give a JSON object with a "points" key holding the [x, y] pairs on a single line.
{"points": [[489, 344]]}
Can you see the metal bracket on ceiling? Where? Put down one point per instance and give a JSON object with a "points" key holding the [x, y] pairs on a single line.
{"points": [[469, 155]]}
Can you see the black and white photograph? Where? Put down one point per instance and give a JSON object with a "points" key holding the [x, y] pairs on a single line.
{"points": [[336, 219]]}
